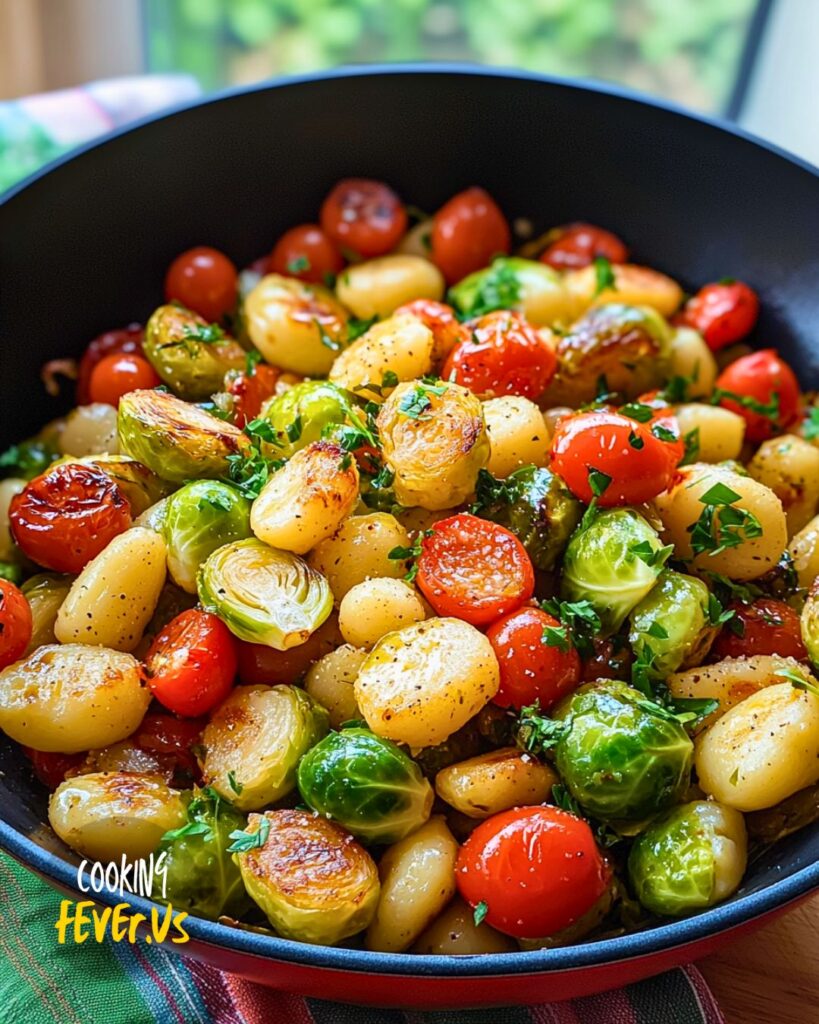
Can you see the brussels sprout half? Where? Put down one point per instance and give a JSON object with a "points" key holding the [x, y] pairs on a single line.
{"points": [[300, 415], [620, 759], [264, 595], [312, 880], [201, 876], [190, 355], [201, 517], [535, 505], [613, 562], [176, 440], [671, 623], [691, 858], [366, 783]]}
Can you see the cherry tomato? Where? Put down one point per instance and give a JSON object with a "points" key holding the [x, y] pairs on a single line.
{"points": [[51, 769], [204, 280], [116, 375], [767, 390], [611, 659], [172, 741], [579, 244], [722, 313], [767, 626], [474, 570], [364, 216], [250, 391], [67, 515], [307, 253], [537, 870], [467, 232], [639, 463], [15, 623], [446, 329], [192, 663], [262, 665], [504, 355], [530, 669], [125, 339]]}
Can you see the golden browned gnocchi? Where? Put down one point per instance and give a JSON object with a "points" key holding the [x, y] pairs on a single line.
{"points": [[360, 550], [378, 287], [517, 434], [330, 682], [489, 783], [400, 346], [375, 607], [719, 432], [789, 465]]}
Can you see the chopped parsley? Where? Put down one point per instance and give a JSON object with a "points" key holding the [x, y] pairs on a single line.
{"points": [[480, 912], [499, 288], [234, 784], [416, 402], [293, 430], [650, 555], [244, 841], [770, 409], [556, 636], [489, 490], [721, 525], [691, 440], [356, 327], [664, 434], [564, 799], [580, 621], [251, 470], [388, 380], [635, 441], [410, 554], [810, 425], [327, 339], [252, 360], [657, 630], [537, 733], [604, 276], [678, 388], [598, 481], [208, 334], [717, 615], [797, 680], [193, 828], [297, 265], [637, 411]]}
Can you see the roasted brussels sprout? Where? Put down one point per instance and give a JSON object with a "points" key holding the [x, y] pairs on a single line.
{"points": [[670, 626], [201, 876], [44, 592], [626, 346], [255, 739], [264, 596], [434, 441], [201, 517], [367, 784], [535, 505], [296, 326], [300, 415], [314, 882], [515, 283], [613, 562], [140, 485], [190, 355], [176, 440], [690, 858], [810, 624], [621, 757]]}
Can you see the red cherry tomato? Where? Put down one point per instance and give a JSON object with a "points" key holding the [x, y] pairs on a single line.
{"points": [[15, 623], [67, 515], [530, 669], [251, 390], [537, 870], [51, 769], [580, 244], [204, 280], [125, 339], [640, 463], [192, 663], [172, 741], [504, 355], [364, 216], [467, 232], [762, 381], [767, 626], [307, 253], [446, 329], [474, 570], [262, 665], [116, 375], [722, 313]]}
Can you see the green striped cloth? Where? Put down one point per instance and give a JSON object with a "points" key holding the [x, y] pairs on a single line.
{"points": [[42, 982]]}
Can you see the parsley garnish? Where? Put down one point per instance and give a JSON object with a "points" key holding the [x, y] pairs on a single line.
{"points": [[635, 441], [678, 388], [193, 828], [650, 555], [252, 360], [581, 620], [598, 481], [489, 490], [797, 680], [388, 380], [416, 402], [770, 409], [499, 288], [537, 733], [234, 784], [637, 411], [717, 615], [412, 553], [810, 425], [480, 912], [244, 841], [327, 339], [293, 430], [721, 525], [295, 266], [208, 334], [691, 440], [642, 670], [657, 630], [564, 799], [250, 471], [356, 327], [663, 433], [604, 276], [556, 636]]}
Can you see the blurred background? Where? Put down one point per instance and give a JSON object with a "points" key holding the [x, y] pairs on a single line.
{"points": [[750, 60]]}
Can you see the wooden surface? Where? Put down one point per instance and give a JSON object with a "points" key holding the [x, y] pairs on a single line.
{"points": [[772, 975]]}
